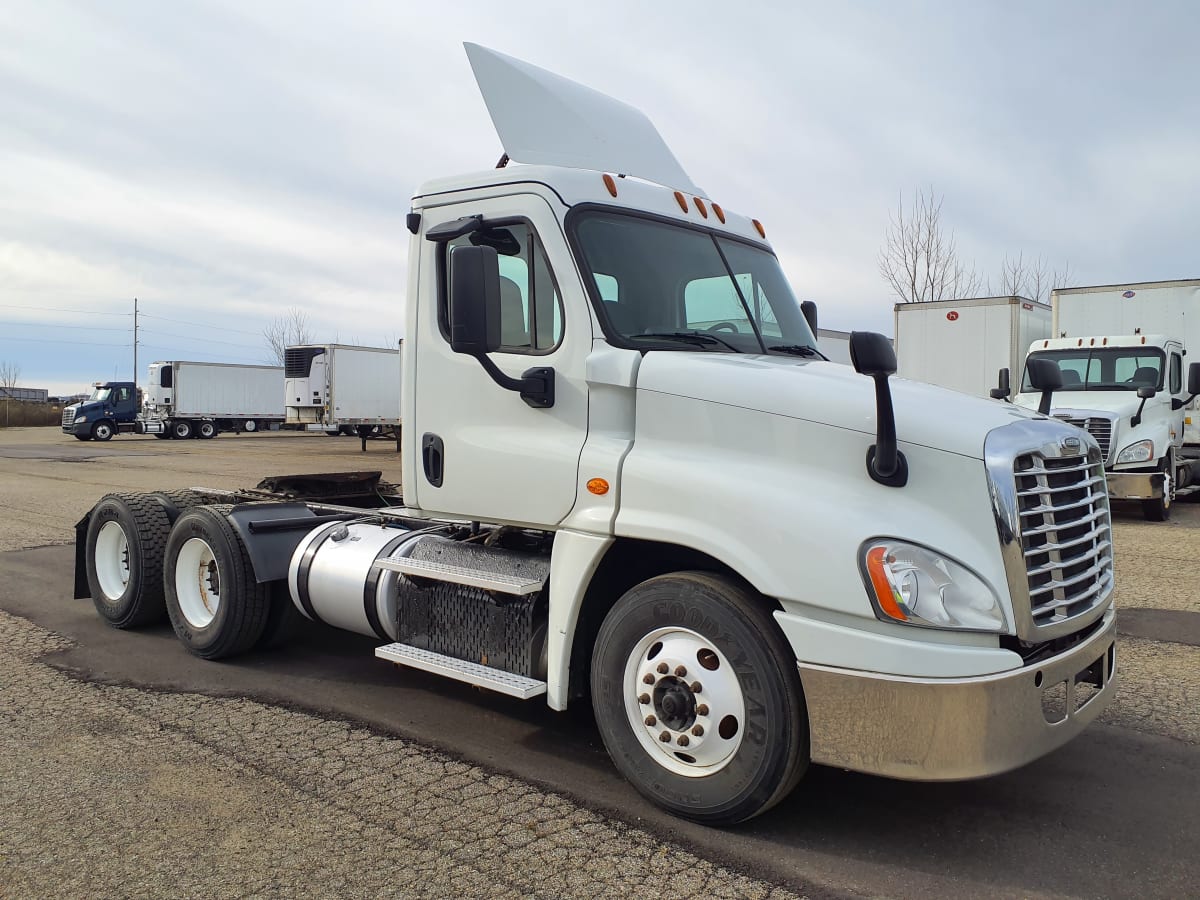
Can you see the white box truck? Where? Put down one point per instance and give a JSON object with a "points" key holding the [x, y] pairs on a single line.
{"points": [[184, 399], [961, 344], [1122, 353], [342, 388], [744, 557]]}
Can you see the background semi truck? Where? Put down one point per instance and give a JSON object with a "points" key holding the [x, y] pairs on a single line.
{"points": [[342, 389], [961, 344], [744, 557], [1123, 355], [182, 399]]}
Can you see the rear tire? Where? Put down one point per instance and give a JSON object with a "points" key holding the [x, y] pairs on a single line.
{"points": [[181, 429], [216, 607], [126, 538], [206, 431], [729, 702]]}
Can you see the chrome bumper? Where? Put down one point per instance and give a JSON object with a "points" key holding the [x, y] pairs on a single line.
{"points": [[1135, 485], [940, 729]]}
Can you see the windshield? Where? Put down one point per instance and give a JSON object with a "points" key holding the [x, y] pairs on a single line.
{"points": [[675, 287], [1104, 369], [101, 395]]}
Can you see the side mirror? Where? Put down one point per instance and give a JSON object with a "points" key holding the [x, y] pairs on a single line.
{"points": [[873, 356], [1146, 392], [474, 307], [1003, 388], [810, 315], [1194, 379], [1044, 376]]}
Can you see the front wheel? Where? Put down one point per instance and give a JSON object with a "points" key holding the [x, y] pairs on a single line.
{"points": [[102, 431], [1159, 508], [698, 699]]}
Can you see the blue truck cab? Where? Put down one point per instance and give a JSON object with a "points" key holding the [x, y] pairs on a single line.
{"points": [[112, 407]]}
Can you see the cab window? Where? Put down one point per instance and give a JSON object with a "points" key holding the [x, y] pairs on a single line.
{"points": [[1176, 374], [531, 315]]}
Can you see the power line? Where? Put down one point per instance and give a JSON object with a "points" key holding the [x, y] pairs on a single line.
{"points": [[6, 339], [87, 312], [200, 324], [194, 338], [244, 359], [57, 325]]}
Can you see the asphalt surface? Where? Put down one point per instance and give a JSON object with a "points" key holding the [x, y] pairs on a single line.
{"points": [[318, 770]]}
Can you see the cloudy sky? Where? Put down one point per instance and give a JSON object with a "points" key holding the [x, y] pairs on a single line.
{"points": [[226, 161]]}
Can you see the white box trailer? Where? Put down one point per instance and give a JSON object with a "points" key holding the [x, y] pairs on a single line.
{"points": [[962, 344], [340, 388], [834, 344], [197, 399]]}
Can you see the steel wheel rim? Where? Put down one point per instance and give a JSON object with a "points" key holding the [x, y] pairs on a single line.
{"points": [[112, 560], [197, 582], [250, 425], [704, 727], [103, 431]]}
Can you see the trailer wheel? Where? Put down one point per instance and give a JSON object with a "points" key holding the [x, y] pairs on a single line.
{"points": [[206, 430], [102, 430], [250, 426], [182, 429], [216, 607], [126, 536], [1159, 509], [697, 698]]}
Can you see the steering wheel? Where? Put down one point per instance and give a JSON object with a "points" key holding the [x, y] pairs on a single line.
{"points": [[723, 326]]}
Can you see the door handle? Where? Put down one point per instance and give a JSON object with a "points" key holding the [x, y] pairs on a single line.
{"points": [[432, 458]]}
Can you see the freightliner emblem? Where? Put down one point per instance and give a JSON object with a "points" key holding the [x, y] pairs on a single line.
{"points": [[1070, 443]]}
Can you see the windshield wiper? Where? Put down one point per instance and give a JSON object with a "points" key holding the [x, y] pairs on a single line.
{"points": [[691, 337], [798, 350]]}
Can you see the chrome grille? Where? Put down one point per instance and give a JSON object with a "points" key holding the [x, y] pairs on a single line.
{"points": [[68, 415], [1099, 428], [1065, 533]]}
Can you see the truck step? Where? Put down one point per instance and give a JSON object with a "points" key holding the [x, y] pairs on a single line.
{"points": [[504, 583], [460, 670]]}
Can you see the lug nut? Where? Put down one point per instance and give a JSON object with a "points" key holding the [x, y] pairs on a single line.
{"points": [[698, 730], [644, 699], [648, 678], [683, 740], [702, 709], [696, 687], [680, 671], [651, 721], [665, 737], [662, 668]]}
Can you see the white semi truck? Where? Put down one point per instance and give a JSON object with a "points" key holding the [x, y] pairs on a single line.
{"points": [[960, 344], [342, 389], [1122, 355], [746, 558]]}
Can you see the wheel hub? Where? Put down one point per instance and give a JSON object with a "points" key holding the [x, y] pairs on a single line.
{"points": [[675, 704]]}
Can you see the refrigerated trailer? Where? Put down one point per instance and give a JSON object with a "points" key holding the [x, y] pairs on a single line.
{"points": [[342, 388], [744, 557], [961, 344]]}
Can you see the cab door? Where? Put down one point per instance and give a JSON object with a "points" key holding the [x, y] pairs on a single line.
{"points": [[484, 453]]}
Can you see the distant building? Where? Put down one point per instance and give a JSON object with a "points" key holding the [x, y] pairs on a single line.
{"points": [[28, 395]]}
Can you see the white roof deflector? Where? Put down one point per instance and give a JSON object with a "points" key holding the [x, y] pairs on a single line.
{"points": [[545, 119]]}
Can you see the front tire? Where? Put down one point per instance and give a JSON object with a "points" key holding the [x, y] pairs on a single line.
{"points": [[215, 605], [126, 537], [102, 430], [698, 699], [1159, 509]]}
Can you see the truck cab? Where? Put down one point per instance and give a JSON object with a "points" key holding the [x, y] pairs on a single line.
{"points": [[112, 407], [1129, 392]]}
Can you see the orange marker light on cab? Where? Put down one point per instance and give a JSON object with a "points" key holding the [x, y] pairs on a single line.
{"points": [[762, 232], [681, 200], [611, 184], [597, 486]]}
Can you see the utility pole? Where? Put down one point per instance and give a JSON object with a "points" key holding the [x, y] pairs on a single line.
{"points": [[135, 342]]}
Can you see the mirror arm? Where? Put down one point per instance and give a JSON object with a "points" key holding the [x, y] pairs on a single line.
{"points": [[1136, 419], [1044, 404], [536, 385], [885, 463]]}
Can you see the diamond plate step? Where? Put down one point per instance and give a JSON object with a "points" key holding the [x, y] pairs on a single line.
{"points": [[488, 581], [460, 670]]}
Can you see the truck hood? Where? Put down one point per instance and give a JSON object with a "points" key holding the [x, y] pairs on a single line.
{"points": [[830, 394], [1121, 404]]}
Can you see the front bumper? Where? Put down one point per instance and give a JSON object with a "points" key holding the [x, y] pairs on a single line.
{"points": [[942, 729], [1135, 485]]}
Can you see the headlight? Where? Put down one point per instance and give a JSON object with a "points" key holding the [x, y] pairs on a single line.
{"points": [[917, 586], [1142, 451], [81, 418]]}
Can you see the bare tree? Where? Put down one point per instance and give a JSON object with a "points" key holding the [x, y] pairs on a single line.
{"points": [[287, 330], [919, 258], [10, 373], [1034, 279]]}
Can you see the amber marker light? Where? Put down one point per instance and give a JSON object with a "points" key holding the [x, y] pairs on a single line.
{"points": [[700, 206], [720, 212], [762, 232], [597, 486], [681, 200], [611, 184], [882, 585]]}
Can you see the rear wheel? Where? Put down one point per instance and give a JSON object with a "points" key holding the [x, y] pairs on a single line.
{"points": [[206, 430], [126, 537], [215, 605], [697, 698], [181, 429], [102, 430]]}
